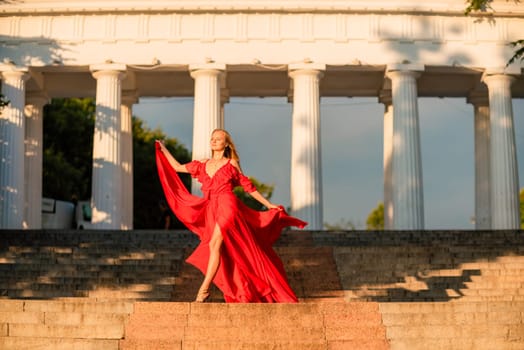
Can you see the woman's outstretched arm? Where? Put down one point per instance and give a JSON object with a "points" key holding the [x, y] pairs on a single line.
{"points": [[255, 194], [179, 168], [259, 197]]}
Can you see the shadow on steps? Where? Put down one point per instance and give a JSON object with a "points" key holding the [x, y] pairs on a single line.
{"points": [[326, 266]]}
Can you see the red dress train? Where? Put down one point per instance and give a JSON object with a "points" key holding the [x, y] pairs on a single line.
{"points": [[249, 269]]}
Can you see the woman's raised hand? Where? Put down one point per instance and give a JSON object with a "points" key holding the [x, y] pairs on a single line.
{"points": [[160, 144], [274, 206]]}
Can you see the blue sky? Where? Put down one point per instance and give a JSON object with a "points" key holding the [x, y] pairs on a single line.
{"points": [[352, 144]]}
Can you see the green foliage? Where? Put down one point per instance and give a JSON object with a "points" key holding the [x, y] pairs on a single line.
{"points": [[341, 225], [264, 189], [147, 188], [484, 6], [478, 5], [375, 219], [68, 149], [522, 208], [519, 51], [3, 102], [68, 140]]}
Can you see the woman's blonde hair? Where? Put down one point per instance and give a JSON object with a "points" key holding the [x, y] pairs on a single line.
{"points": [[231, 150]]}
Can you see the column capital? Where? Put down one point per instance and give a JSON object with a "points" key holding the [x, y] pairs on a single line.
{"points": [[211, 68], [10, 71], [108, 73], [510, 70], [304, 68], [404, 67], [391, 74], [493, 77], [9, 67], [108, 67]]}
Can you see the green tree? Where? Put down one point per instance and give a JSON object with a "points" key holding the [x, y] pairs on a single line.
{"points": [[375, 219], [68, 140], [264, 189], [483, 6], [67, 163], [3, 102], [147, 189]]}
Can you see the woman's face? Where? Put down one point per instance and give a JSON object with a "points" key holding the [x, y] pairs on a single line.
{"points": [[218, 141]]}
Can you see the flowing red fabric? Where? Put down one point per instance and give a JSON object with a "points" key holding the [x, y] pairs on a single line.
{"points": [[249, 269]]}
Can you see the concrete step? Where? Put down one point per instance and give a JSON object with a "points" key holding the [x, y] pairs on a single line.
{"points": [[435, 272], [85, 323], [456, 344], [62, 324], [88, 278], [68, 305], [63, 343], [105, 331], [461, 325], [257, 326], [432, 273], [37, 260], [130, 295]]}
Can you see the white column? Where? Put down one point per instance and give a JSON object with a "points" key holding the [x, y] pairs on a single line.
{"points": [[12, 129], [224, 98], [34, 139], [408, 199], [385, 98], [207, 111], [504, 180], [127, 160], [106, 197], [482, 162], [306, 166]]}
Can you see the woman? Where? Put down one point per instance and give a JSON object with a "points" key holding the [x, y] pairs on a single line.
{"points": [[235, 250]]}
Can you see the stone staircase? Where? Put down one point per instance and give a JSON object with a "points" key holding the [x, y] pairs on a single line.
{"points": [[255, 326], [456, 325], [123, 265], [358, 290], [75, 323]]}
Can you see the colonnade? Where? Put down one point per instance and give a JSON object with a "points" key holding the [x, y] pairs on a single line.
{"points": [[496, 178]]}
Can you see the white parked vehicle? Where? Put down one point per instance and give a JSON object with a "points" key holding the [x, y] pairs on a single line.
{"points": [[83, 215], [57, 214]]}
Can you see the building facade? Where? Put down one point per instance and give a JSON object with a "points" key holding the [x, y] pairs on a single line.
{"points": [[397, 51]]}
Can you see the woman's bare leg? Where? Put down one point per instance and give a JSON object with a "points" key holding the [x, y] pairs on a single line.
{"points": [[212, 266]]}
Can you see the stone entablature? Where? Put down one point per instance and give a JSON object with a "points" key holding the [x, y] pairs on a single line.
{"points": [[503, 8], [174, 36]]}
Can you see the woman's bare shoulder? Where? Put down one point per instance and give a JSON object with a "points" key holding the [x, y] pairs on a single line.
{"points": [[235, 163]]}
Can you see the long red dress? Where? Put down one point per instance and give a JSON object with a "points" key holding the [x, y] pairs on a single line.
{"points": [[249, 269]]}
